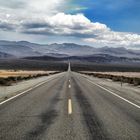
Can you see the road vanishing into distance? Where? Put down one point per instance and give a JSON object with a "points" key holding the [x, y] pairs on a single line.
{"points": [[69, 107]]}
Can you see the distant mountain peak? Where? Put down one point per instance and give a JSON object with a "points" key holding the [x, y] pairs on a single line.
{"points": [[25, 48]]}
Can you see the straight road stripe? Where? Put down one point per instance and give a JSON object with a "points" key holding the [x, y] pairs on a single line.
{"points": [[69, 107], [69, 86], [16, 96], [137, 106]]}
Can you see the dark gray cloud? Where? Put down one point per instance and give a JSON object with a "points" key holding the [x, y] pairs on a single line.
{"points": [[35, 25], [63, 25], [6, 26], [47, 29]]}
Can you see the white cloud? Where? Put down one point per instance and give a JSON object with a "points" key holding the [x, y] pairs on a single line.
{"points": [[46, 18], [45, 6], [80, 26], [27, 8], [116, 39], [64, 24]]}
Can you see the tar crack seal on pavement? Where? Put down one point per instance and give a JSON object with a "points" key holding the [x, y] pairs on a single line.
{"points": [[92, 122]]}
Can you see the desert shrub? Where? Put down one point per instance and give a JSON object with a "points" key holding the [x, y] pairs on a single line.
{"points": [[115, 78], [136, 81], [5, 81], [130, 80], [100, 76], [8, 81], [11, 78], [2, 81], [19, 78]]}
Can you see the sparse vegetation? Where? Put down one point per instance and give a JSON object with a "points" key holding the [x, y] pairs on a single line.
{"points": [[10, 80], [104, 67], [22, 64], [126, 79]]}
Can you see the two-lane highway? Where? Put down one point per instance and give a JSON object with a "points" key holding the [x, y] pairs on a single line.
{"points": [[69, 107]]}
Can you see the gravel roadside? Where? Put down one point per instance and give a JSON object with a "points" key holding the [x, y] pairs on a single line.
{"points": [[9, 91]]}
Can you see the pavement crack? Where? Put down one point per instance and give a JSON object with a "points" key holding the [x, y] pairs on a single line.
{"points": [[47, 118], [91, 120]]}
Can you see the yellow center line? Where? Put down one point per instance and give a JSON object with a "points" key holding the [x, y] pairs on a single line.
{"points": [[69, 86], [69, 107]]}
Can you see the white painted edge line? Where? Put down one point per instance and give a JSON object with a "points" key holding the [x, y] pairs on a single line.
{"points": [[69, 107], [19, 94], [116, 95]]}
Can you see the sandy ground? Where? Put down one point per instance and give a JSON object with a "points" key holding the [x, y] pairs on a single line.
{"points": [[126, 74], [126, 90], [12, 73]]}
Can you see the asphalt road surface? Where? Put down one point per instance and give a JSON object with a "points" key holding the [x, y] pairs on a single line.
{"points": [[69, 107]]}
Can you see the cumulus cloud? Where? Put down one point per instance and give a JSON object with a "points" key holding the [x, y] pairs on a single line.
{"points": [[64, 24], [45, 18], [116, 38], [79, 26]]}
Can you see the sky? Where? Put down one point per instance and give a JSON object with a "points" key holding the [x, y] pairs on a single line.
{"points": [[93, 22]]}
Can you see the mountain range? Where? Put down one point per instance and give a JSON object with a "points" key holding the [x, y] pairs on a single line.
{"points": [[24, 49]]}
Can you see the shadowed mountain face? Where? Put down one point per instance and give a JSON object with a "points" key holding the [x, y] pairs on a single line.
{"points": [[67, 51], [96, 58], [5, 55], [16, 49]]}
